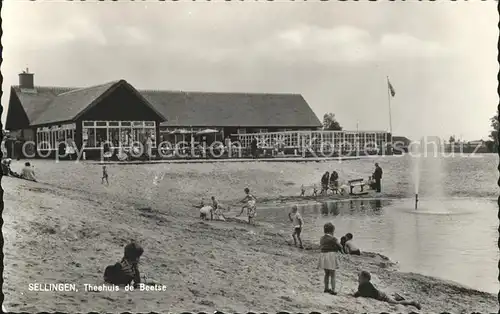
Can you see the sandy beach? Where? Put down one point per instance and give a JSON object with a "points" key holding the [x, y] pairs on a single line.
{"points": [[68, 227]]}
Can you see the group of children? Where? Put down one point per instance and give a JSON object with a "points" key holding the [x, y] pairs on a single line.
{"points": [[328, 182], [127, 272], [328, 260], [330, 247], [215, 210]]}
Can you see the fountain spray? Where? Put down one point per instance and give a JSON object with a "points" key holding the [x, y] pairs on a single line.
{"points": [[416, 201]]}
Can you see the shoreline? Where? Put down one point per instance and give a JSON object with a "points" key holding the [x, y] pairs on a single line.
{"points": [[314, 247], [225, 266], [226, 160]]}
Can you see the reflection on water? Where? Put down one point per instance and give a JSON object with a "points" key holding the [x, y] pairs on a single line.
{"points": [[335, 208], [446, 239]]}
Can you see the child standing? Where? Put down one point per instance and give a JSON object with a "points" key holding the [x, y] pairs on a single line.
{"points": [[367, 290], [302, 191], [328, 260], [250, 206], [104, 175], [126, 271], [298, 222]]}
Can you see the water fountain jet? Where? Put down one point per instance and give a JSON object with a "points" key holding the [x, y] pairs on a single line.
{"points": [[427, 164]]}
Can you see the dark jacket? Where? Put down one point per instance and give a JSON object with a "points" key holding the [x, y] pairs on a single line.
{"points": [[253, 145], [367, 290], [377, 175], [334, 176], [325, 178], [122, 273]]}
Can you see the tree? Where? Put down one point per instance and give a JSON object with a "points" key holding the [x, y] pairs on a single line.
{"points": [[494, 126], [330, 123], [452, 139]]}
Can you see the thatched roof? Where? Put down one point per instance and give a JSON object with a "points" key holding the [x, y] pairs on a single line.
{"points": [[232, 109], [46, 105]]}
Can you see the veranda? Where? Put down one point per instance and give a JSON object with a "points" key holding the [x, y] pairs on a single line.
{"points": [[318, 142]]}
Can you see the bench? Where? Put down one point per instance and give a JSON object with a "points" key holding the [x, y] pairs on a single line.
{"points": [[356, 182]]}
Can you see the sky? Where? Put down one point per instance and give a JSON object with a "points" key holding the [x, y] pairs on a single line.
{"points": [[439, 56]]}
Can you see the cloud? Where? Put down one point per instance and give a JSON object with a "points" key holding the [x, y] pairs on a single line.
{"points": [[327, 51], [85, 30], [407, 46], [341, 45]]}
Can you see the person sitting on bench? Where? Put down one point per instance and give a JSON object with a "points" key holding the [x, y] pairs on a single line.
{"points": [[334, 182], [324, 183]]}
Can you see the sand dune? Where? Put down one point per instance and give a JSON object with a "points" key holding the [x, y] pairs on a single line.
{"points": [[68, 228]]}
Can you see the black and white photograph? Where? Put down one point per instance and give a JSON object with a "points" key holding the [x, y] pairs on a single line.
{"points": [[250, 156]]}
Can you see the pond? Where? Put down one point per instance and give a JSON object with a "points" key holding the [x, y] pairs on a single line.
{"points": [[454, 238]]}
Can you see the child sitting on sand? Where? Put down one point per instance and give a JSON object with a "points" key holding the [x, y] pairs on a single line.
{"points": [[28, 173], [329, 246], [7, 171], [250, 206], [205, 212], [343, 240], [217, 210], [350, 247], [126, 271], [298, 222], [215, 204], [367, 290]]}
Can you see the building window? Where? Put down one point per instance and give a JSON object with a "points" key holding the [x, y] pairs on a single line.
{"points": [[49, 138], [91, 142], [242, 131], [114, 136], [262, 130], [118, 134]]}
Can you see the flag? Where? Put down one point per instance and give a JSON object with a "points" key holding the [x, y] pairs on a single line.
{"points": [[391, 89]]}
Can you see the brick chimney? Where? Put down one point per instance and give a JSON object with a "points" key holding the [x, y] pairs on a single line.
{"points": [[26, 80]]}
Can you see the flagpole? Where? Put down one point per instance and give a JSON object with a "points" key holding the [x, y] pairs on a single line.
{"points": [[389, 99]]}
